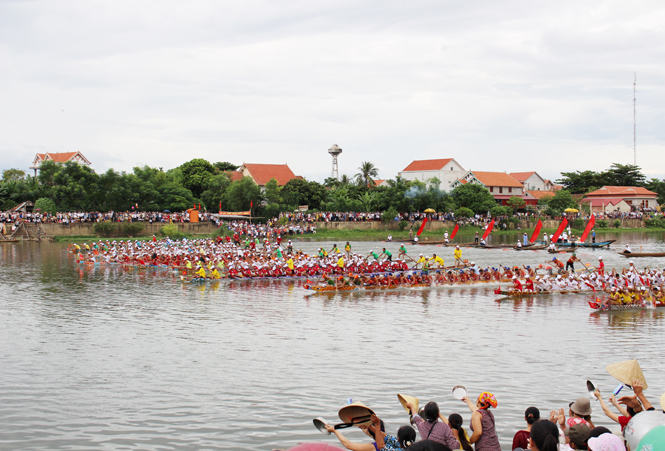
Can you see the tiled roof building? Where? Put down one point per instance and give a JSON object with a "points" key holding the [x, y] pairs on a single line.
{"points": [[59, 157]]}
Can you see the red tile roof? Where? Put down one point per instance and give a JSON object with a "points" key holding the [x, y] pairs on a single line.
{"points": [[234, 175], [603, 201], [541, 194], [427, 165], [496, 179], [59, 157], [263, 173], [622, 191], [521, 176]]}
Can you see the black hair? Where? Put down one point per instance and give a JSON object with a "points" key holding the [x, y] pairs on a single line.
{"points": [[428, 445], [455, 420], [598, 431], [545, 435], [531, 415], [431, 412], [383, 429], [406, 436]]}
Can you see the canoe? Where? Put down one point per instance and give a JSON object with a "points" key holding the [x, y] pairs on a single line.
{"points": [[642, 254], [597, 306], [562, 251], [498, 246], [330, 288], [530, 248], [598, 244], [473, 244], [515, 293], [9, 241]]}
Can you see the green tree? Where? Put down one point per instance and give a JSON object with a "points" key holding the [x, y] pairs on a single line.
{"points": [[271, 192], [623, 175], [12, 175], [241, 194], [223, 166], [559, 202], [516, 203], [463, 212], [367, 173], [215, 187], [580, 182], [75, 187], [473, 196], [195, 173], [657, 186], [175, 198], [298, 192], [45, 205]]}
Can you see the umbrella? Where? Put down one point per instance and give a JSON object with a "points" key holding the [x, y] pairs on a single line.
{"points": [[571, 210], [166, 211], [430, 210]]}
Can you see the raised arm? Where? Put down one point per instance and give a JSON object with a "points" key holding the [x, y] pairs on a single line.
{"points": [[476, 422], [349, 444], [611, 415], [637, 388]]}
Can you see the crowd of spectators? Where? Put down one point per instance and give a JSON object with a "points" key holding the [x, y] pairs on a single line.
{"points": [[89, 217]]}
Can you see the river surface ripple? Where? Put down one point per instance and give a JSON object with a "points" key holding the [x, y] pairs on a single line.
{"points": [[113, 359]]}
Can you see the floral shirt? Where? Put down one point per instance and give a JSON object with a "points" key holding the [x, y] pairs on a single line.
{"points": [[391, 444]]}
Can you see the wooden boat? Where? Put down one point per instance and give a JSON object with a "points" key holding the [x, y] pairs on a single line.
{"points": [[562, 251], [516, 293], [330, 288], [592, 245], [530, 248], [9, 241], [597, 306], [498, 246], [472, 244], [642, 254]]}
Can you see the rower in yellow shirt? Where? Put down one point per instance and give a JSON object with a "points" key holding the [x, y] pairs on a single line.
{"points": [[438, 260], [200, 273], [421, 260], [290, 264], [458, 256], [215, 274], [340, 262]]}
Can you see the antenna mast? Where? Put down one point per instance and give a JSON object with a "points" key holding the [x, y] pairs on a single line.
{"points": [[634, 121]]}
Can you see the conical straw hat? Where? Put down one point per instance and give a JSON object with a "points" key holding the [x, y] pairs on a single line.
{"points": [[405, 399], [627, 372], [662, 401], [354, 411]]}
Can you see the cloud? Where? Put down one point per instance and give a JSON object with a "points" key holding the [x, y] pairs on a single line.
{"points": [[496, 85]]}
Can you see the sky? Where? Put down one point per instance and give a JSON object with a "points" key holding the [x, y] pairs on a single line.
{"points": [[499, 85]]}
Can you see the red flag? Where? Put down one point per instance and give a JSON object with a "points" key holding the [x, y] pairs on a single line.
{"points": [[220, 205], [422, 227], [536, 231], [251, 203], [562, 226], [489, 230], [199, 205], [194, 205], [589, 226], [455, 230]]}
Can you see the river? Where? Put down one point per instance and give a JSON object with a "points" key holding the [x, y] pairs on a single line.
{"points": [[113, 359]]}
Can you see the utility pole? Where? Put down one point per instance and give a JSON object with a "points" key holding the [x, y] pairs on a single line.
{"points": [[634, 120]]}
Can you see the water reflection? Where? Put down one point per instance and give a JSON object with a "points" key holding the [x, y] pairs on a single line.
{"points": [[108, 357]]}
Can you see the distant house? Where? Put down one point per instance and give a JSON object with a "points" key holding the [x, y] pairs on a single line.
{"points": [[263, 173], [637, 197], [607, 205], [530, 180], [447, 170], [60, 157], [500, 185], [379, 182]]}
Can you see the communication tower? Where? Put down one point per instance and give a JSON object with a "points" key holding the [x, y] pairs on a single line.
{"points": [[335, 150]]}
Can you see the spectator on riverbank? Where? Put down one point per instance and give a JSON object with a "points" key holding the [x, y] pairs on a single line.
{"points": [[521, 438], [482, 423], [434, 426]]}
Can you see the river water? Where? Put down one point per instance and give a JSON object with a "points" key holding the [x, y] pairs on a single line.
{"points": [[113, 359]]}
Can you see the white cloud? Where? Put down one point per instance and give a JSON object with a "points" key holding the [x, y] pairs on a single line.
{"points": [[496, 85]]}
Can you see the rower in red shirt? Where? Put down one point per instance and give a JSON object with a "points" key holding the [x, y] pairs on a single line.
{"points": [[601, 266], [529, 284], [517, 285]]}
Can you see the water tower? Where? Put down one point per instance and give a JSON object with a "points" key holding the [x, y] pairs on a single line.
{"points": [[335, 151]]}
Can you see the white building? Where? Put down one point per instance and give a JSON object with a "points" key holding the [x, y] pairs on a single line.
{"points": [[447, 170], [532, 181]]}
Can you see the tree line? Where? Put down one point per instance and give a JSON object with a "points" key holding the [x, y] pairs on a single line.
{"points": [[74, 187]]}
